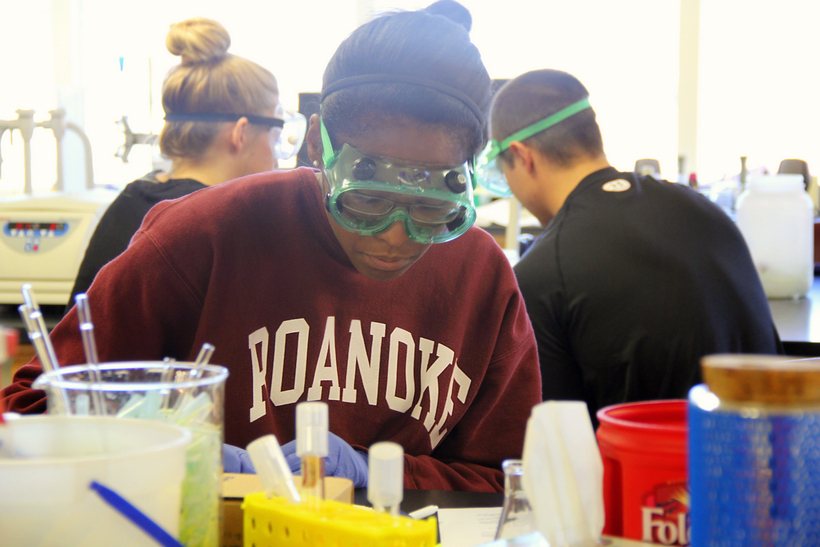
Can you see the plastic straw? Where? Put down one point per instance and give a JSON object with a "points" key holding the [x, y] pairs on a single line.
{"points": [[140, 519]]}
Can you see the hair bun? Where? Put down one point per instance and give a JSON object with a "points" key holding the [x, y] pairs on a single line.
{"points": [[453, 11], [198, 40]]}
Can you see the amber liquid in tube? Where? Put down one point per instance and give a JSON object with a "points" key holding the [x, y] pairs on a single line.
{"points": [[313, 480]]}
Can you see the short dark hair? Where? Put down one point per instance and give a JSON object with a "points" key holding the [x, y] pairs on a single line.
{"points": [[536, 95], [432, 44]]}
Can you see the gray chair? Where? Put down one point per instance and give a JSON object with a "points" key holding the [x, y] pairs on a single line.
{"points": [[795, 167], [648, 166]]}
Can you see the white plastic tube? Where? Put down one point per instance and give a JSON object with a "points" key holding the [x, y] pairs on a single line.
{"points": [[312, 448], [385, 482], [273, 468]]}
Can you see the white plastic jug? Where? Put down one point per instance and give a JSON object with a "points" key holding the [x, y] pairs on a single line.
{"points": [[45, 494], [776, 217]]}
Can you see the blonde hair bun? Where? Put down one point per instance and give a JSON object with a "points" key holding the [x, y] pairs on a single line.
{"points": [[198, 40]]}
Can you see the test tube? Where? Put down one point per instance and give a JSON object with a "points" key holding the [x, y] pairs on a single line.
{"points": [[273, 468], [385, 481], [312, 448]]}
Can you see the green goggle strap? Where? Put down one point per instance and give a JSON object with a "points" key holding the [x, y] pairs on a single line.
{"points": [[328, 155], [537, 127]]}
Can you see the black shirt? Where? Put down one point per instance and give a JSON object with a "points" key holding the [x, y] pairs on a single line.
{"points": [[121, 221], [631, 283]]}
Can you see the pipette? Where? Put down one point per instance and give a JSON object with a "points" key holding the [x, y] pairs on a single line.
{"points": [[385, 480], [90, 347], [42, 345], [273, 468], [204, 354], [86, 329], [36, 325], [312, 448], [184, 402], [36, 337]]}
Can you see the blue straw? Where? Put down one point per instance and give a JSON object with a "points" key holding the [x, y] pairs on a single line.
{"points": [[135, 515]]}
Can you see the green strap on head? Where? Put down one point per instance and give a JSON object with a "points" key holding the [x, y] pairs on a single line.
{"points": [[537, 127], [328, 156]]}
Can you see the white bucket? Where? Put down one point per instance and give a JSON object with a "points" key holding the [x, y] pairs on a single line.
{"points": [[45, 494]]}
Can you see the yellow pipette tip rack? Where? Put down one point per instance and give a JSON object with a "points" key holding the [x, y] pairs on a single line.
{"points": [[274, 522]]}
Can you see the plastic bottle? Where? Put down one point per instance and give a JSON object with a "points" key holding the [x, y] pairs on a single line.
{"points": [[776, 217]]}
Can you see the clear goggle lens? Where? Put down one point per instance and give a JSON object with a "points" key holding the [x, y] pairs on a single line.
{"points": [[375, 208], [287, 141], [425, 221]]}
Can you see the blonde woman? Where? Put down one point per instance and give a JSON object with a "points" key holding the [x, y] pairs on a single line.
{"points": [[223, 120]]}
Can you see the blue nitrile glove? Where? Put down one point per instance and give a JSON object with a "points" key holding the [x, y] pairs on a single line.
{"points": [[236, 460], [342, 460]]}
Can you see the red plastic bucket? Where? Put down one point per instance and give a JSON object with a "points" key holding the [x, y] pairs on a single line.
{"points": [[646, 489]]}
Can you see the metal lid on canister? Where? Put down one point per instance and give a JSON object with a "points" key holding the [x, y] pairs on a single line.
{"points": [[766, 379]]}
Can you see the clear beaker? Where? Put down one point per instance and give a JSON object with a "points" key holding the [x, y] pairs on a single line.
{"points": [[517, 517], [183, 394]]}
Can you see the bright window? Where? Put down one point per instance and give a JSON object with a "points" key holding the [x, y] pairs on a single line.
{"points": [[625, 53], [759, 71]]}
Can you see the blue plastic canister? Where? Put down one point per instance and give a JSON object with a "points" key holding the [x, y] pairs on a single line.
{"points": [[754, 452]]}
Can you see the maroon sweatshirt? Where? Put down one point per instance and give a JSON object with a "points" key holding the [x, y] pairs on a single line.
{"points": [[441, 360]]}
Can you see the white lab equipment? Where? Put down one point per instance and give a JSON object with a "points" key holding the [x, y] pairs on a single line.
{"points": [[43, 237], [43, 240]]}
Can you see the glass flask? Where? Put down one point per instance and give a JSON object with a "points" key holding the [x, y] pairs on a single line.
{"points": [[517, 517]]}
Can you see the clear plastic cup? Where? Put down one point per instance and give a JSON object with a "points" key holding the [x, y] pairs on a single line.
{"points": [[183, 394]]}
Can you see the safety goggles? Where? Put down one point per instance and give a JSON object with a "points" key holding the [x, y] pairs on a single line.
{"points": [[490, 175], [287, 127], [368, 193], [288, 139]]}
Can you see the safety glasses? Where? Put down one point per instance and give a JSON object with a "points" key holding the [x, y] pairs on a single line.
{"points": [[490, 175], [368, 193]]}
